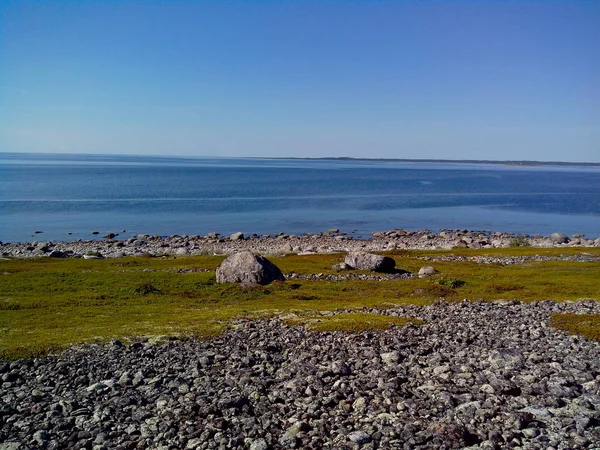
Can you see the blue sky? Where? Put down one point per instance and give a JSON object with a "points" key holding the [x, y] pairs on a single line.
{"points": [[399, 79]]}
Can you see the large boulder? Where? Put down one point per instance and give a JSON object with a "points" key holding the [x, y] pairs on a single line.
{"points": [[559, 238], [248, 268], [370, 261]]}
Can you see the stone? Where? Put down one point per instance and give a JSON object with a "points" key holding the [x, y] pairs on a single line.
{"points": [[370, 261], [359, 437], [41, 437], [92, 257], [239, 236], [506, 359], [289, 439], [427, 271], [246, 267], [193, 444], [182, 251], [259, 444], [10, 445], [340, 267], [559, 238], [390, 358]]}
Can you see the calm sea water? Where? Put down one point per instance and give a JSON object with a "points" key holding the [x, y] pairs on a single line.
{"points": [[78, 194]]}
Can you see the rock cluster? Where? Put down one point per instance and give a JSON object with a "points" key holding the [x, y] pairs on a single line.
{"points": [[476, 375], [331, 241]]}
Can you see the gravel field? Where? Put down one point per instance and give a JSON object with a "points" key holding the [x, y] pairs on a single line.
{"points": [[476, 375]]}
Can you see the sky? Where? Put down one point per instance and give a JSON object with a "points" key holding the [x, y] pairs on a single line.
{"points": [[498, 80]]}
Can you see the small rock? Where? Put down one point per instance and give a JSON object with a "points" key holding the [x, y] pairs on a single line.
{"points": [[259, 444], [359, 437], [427, 271], [390, 358]]}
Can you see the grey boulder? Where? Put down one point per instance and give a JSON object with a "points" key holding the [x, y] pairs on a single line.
{"points": [[248, 268], [370, 261], [427, 271], [559, 238]]}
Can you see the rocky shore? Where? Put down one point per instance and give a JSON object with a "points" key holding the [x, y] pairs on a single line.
{"points": [[475, 375], [114, 246]]}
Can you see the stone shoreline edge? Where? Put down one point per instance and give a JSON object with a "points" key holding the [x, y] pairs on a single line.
{"points": [[328, 242]]}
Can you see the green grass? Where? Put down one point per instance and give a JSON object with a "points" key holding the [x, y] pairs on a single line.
{"points": [[587, 325], [351, 322], [48, 304]]}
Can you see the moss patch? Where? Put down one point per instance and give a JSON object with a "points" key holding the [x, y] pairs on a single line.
{"points": [[587, 325], [351, 322]]}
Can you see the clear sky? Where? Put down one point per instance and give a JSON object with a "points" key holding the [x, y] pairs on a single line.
{"points": [[399, 79]]}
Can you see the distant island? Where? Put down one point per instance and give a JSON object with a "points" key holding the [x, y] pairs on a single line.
{"points": [[445, 161]]}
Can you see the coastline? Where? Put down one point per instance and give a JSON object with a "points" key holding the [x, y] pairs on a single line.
{"points": [[332, 241]]}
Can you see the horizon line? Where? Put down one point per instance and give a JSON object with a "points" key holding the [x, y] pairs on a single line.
{"points": [[523, 162]]}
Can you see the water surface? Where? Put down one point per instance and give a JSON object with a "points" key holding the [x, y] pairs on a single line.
{"points": [[78, 194]]}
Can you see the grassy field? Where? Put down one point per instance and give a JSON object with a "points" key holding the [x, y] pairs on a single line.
{"points": [[48, 304]]}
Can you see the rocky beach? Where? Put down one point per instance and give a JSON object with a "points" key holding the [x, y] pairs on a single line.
{"points": [[116, 246]]}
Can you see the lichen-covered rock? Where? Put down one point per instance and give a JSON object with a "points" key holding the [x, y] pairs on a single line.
{"points": [[246, 267], [370, 261]]}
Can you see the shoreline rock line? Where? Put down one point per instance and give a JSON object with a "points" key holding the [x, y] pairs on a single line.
{"points": [[328, 242]]}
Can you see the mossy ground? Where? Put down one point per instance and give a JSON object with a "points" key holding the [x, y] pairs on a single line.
{"points": [[587, 325], [351, 322], [48, 304]]}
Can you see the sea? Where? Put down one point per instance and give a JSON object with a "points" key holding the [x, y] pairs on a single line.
{"points": [[59, 197]]}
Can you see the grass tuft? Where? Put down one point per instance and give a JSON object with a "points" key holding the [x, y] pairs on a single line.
{"points": [[146, 289], [452, 283]]}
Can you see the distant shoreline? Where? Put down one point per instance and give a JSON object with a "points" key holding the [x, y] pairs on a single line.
{"points": [[443, 161], [525, 163]]}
